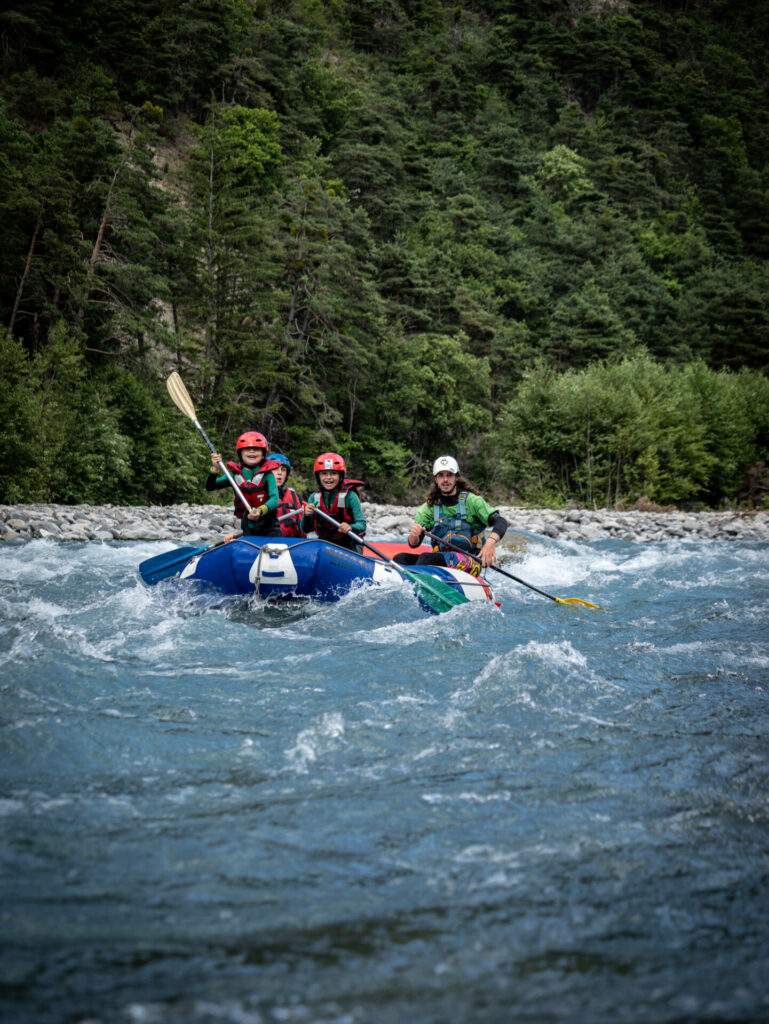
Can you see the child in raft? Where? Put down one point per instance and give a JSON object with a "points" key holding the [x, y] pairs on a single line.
{"points": [[338, 498], [288, 499], [254, 476]]}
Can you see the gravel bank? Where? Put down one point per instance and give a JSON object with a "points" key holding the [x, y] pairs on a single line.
{"points": [[192, 523]]}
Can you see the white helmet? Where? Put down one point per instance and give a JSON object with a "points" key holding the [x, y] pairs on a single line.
{"points": [[445, 463]]}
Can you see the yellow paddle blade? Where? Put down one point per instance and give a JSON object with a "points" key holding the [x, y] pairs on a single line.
{"points": [[576, 600], [180, 395]]}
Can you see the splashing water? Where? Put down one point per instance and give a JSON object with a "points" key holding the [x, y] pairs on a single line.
{"points": [[216, 810]]}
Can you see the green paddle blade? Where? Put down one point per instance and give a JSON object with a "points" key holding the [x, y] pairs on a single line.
{"points": [[434, 594]]}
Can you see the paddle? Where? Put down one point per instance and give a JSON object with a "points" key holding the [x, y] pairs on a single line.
{"points": [[475, 558], [290, 515], [181, 399], [436, 594], [161, 567]]}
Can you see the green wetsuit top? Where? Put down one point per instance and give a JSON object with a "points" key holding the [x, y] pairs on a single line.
{"points": [[479, 512], [352, 501]]}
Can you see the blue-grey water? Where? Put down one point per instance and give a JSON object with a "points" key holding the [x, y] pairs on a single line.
{"points": [[216, 811]]}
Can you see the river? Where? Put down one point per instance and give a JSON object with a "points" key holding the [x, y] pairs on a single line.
{"points": [[217, 811]]}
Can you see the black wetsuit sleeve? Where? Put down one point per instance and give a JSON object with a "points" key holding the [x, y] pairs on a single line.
{"points": [[215, 482], [498, 524]]}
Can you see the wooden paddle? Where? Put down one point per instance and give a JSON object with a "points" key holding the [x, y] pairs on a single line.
{"points": [[436, 594], [475, 558], [181, 399]]}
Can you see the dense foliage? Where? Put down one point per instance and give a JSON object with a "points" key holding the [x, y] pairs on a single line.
{"points": [[635, 427], [533, 233]]}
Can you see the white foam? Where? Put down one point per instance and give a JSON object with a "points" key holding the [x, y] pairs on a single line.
{"points": [[485, 854], [694, 647], [743, 659], [182, 795], [562, 564], [394, 633], [503, 796], [558, 653], [47, 611], [427, 752], [34, 562], [554, 652], [299, 659], [315, 741], [54, 803]]}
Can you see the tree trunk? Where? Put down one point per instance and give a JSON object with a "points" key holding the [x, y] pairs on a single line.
{"points": [[102, 227], [210, 261], [27, 268]]}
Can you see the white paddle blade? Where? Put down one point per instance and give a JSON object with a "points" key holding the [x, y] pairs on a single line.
{"points": [[180, 396]]}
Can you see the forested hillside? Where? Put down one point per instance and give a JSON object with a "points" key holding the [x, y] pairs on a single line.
{"points": [[529, 232]]}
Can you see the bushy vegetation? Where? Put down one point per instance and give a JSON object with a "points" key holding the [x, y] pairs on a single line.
{"points": [[533, 233], [680, 434]]}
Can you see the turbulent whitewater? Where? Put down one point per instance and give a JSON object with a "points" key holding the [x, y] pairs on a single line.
{"points": [[216, 810]]}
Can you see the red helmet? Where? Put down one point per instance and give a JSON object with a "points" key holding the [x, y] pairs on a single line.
{"points": [[252, 439], [330, 461]]}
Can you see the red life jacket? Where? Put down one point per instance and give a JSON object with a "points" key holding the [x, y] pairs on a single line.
{"points": [[289, 501], [337, 510], [254, 490]]}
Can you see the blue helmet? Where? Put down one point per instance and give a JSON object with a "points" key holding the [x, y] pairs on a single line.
{"points": [[282, 459]]}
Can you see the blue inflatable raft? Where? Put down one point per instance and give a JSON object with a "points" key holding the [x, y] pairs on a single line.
{"points": [[275, 568]]}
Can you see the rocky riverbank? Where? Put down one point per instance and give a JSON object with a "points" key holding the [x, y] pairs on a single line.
{"points": [[193, 523]]}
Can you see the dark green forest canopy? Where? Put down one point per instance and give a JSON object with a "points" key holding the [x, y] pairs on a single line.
{"points": [[392, 229]]}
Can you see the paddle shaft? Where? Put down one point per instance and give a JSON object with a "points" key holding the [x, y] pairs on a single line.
{"points": [[438, 595], [224, 469], [360, 540], [410, 577], [475, 558]]}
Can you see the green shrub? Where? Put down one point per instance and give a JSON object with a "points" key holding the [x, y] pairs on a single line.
{"points": [[618, 430]]}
